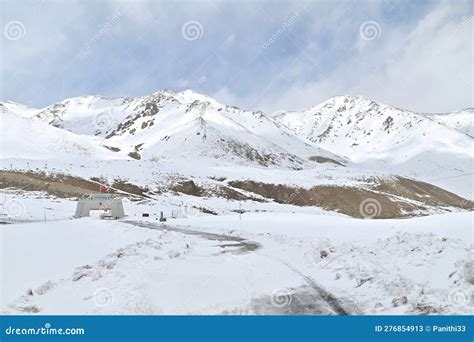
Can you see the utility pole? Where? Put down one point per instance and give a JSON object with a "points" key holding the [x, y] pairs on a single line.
{"points": [[240, 211]]}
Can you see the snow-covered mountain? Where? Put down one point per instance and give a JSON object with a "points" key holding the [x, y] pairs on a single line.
{"points": [[187, 124], [165, 126], [363, 129], [160, 125], [431, 147]]}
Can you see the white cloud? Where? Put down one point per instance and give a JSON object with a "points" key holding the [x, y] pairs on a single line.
{"points": [[420, 61], [428, 69]]}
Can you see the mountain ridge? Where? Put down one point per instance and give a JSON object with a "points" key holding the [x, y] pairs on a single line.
{"points": [[189, 143], [346, 130], [190, 92]]}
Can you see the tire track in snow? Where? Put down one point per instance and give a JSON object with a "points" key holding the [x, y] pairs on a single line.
{"points": [[247, 246], [327, 296], [244, 245]]}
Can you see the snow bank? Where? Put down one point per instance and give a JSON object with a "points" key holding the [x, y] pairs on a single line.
{"points": [[34, 253]]}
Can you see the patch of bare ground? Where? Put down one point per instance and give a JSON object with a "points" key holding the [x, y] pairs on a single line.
{"points": [[58, 185], [320, 159], [401, 197], [189, 187], [206, 210], [135, 155], [423, 192], [130, 188], [112, 148], [260, 157]]}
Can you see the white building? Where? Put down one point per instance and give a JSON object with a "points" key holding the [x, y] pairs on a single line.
{"points": [[112, 206]]}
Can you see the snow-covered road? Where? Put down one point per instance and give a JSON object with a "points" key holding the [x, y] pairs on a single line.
{"points": [[265, 263], [230, 244], [311, 298]]}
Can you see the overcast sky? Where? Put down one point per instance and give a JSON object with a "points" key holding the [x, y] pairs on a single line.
{"points": [[272, 56]]}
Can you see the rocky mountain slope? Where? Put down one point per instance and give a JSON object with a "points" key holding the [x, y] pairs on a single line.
{"points": [[432, 147], [160, 125], [331, 156], [363, 129]]}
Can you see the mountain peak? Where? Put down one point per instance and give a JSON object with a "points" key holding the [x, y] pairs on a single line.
{"points": [[189, 96], [345, 101], [166, 92], [350, 98]]}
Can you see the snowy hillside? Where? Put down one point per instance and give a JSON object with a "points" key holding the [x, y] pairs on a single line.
{"points": [[188, 125], [343, 141], [351, 126], [160, 125], [93, 115], [429, 147], [17, 109], [461, 120], [29, 138], [363, 129]]}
